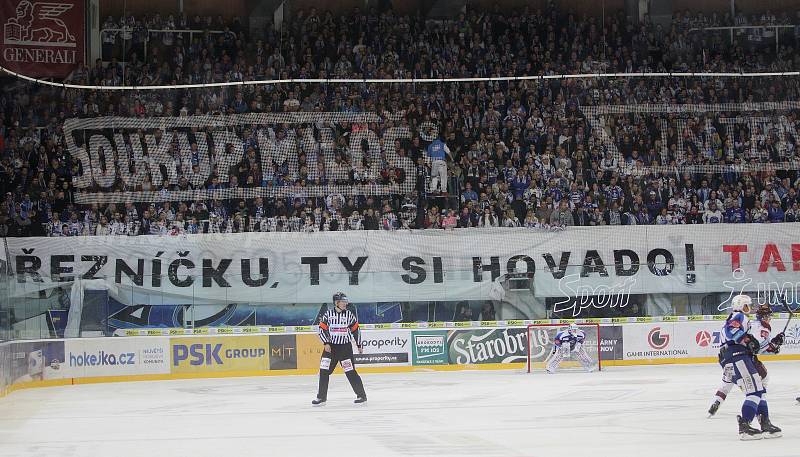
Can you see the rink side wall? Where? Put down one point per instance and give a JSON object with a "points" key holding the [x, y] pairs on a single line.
{"points": [[161, 354]]}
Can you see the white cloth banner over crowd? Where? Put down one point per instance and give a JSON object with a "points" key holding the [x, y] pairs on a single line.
{"points": [[375, 266]]}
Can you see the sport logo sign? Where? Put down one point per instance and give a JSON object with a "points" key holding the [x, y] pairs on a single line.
{"points": [[658, 339], [703, 338], [577, 296], [43, 38]]}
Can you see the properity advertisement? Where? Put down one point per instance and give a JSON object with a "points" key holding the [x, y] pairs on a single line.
{"points": [[384, 347]]}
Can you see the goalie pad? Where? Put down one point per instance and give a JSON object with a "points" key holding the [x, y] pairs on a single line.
{"points": [[584, 358], [554, 359]]}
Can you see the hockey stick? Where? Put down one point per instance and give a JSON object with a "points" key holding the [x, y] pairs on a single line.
{"points": [[788, 310]]}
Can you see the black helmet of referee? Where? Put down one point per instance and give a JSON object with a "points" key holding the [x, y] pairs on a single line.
{"points": [[340, 296]]}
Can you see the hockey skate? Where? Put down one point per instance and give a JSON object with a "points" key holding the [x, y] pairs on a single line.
{"points": [[318, 402], [714, 408], [360, 400], [746, 432], [767, 429]]}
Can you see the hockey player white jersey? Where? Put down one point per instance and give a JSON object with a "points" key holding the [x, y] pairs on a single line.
{"points": [[570, 338], [762, 331], [567, 342]]}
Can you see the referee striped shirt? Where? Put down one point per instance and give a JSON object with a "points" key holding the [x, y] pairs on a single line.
{"points": [[335, 327]]}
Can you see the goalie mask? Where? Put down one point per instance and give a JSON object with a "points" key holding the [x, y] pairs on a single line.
{"points": [[742, 303], [573, 328]]}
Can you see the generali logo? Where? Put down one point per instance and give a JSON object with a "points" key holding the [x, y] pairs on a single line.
{"points": [[38, 24], [657, 339]]}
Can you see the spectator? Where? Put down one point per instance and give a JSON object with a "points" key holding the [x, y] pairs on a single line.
{"points": [[694, 217], [487, 312], [531, 221], [758, 213], [510, 219], [488, 219], [463, 313], [370, 220], [451, 221], [580, 217], [103, 228], [513, 145], [468, 195], [562, 216], [437, 154], [775, 213], [712, 215]]}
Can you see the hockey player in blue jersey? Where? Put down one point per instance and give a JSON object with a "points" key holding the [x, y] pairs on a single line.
{"points": [[762, 331], [567, 342], [739, 347]]}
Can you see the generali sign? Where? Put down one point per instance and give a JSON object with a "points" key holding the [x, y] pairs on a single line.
{"points": [[42, 39]]}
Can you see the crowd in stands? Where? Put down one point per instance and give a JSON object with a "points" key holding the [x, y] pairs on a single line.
{"points": [[516, 153]]}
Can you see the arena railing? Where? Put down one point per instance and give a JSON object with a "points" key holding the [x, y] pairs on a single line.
{"points": [[739, 29], [191, 33]]}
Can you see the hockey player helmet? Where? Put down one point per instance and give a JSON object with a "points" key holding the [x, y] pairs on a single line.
{"points": [[764, 312], [742, 303]]}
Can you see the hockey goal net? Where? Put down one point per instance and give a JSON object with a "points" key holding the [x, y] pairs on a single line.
{"points": [[541, 339]]}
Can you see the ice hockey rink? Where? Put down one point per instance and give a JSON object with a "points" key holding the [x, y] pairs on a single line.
{"points": [[622, 411]]}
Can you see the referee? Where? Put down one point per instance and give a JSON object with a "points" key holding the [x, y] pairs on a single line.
{"points": [[335, 328]]}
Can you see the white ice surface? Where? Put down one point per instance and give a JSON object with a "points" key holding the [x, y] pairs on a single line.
{"points": [[643, 411]]}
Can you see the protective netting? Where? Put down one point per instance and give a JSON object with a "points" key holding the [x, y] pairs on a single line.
{"points": [[696, 138], [188, 158], [357, 139], [345, 146]]}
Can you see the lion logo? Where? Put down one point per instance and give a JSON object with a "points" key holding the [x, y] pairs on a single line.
{"points": [[38, 23]]}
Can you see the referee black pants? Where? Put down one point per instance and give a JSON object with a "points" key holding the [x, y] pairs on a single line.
{"points": [[340, 354]]}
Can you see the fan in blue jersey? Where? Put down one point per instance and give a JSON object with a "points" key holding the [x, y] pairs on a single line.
{"points": [[762, 331], [739, 347], [336, 328], [566, 343]]}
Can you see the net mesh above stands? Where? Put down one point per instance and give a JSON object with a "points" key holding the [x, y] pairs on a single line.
{"points": [[335, 140]]}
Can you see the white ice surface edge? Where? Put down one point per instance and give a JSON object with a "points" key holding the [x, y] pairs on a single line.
{"points": [[623, 411]]}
